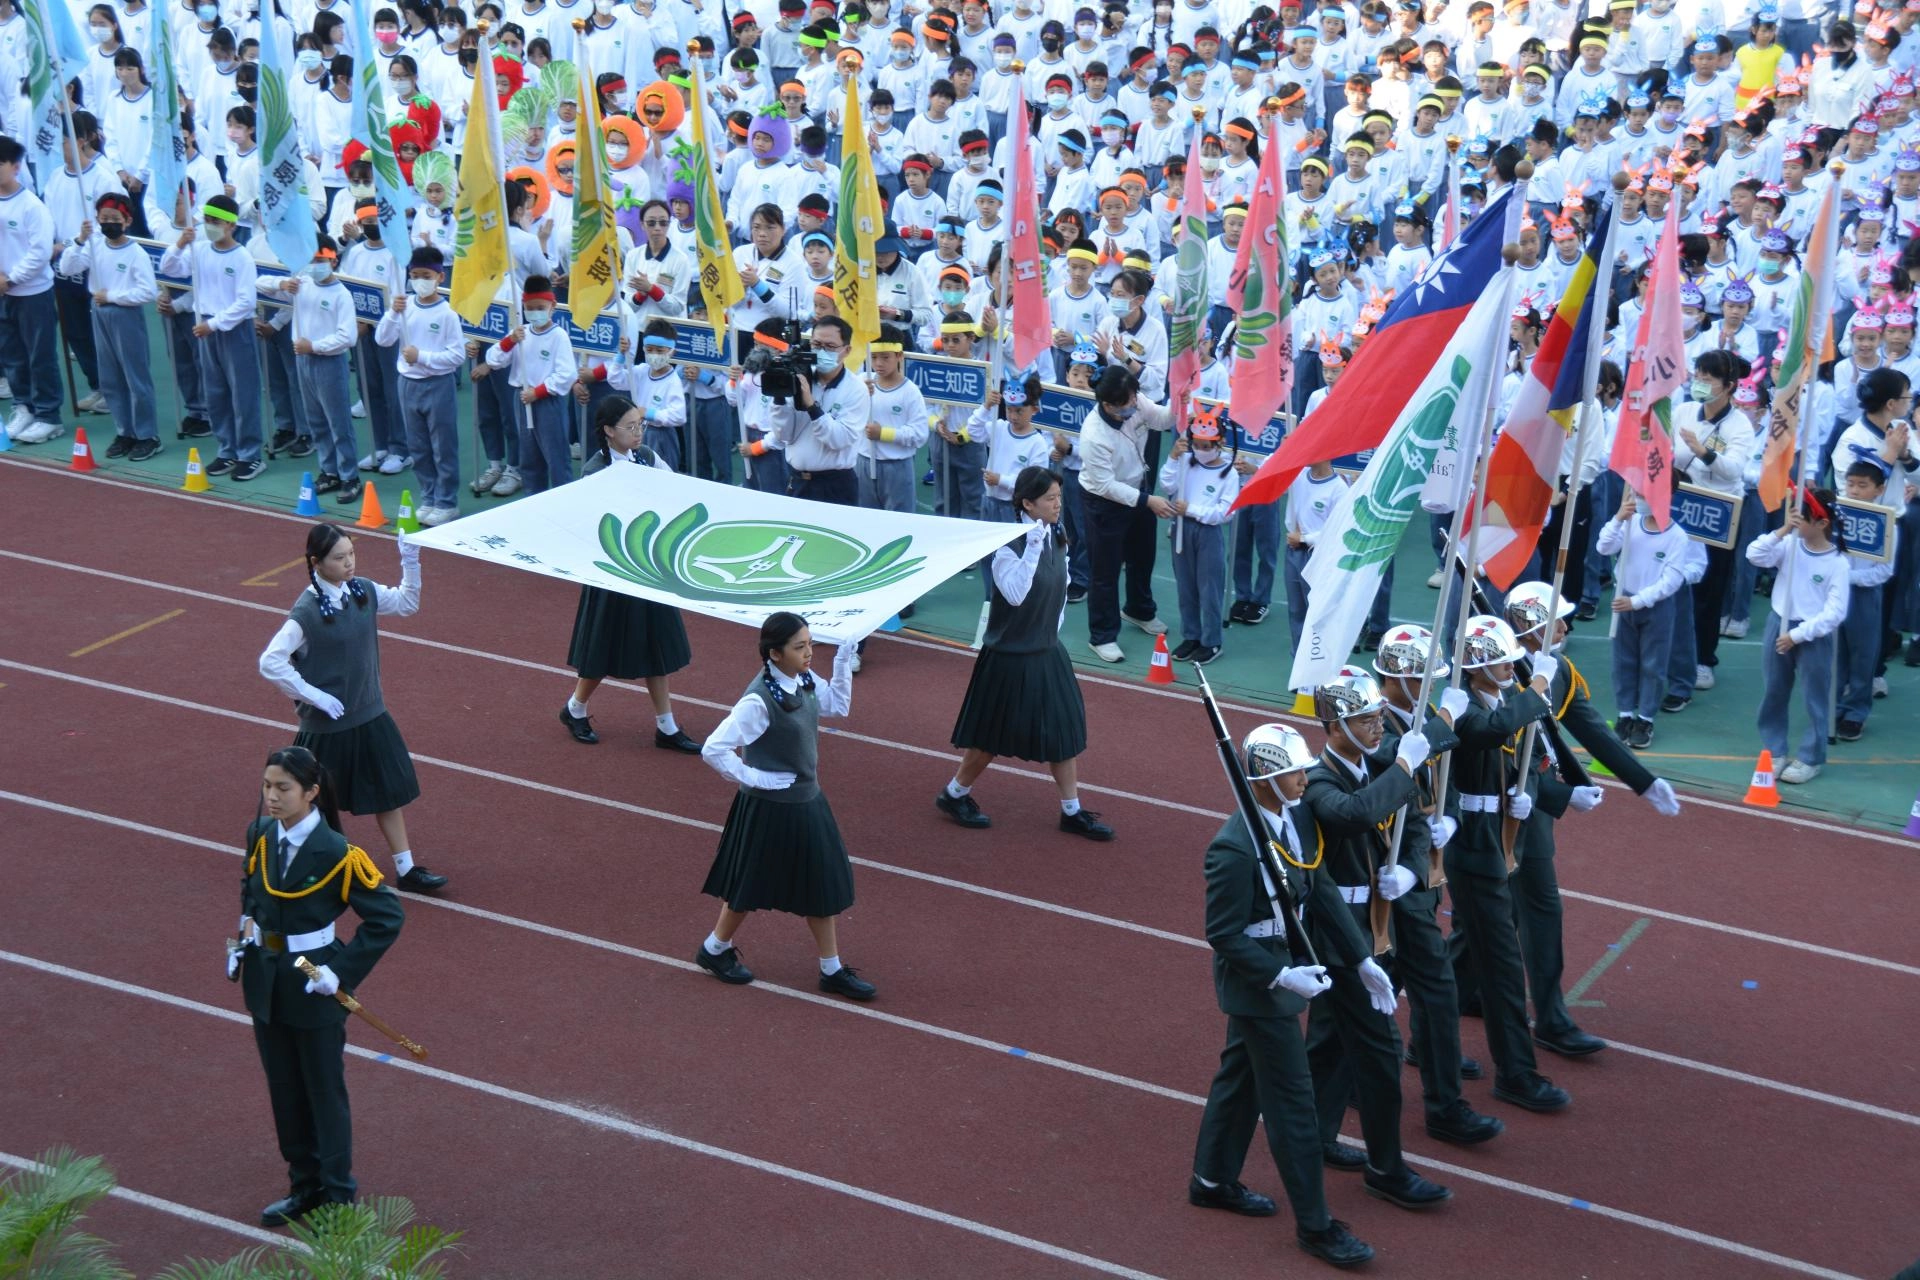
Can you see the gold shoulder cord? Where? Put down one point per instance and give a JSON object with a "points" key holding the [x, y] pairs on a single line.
{"points": [[356, 866], [1319, 851], [1575, 683]]}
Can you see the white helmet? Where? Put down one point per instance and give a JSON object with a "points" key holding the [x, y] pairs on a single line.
{"points": [[1489, 641], [1273, 749], [1526, 608], [1403, 652], [1348, 695]]}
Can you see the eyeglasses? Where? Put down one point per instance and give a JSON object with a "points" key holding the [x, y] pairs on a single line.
{"points": [[656, 222]]}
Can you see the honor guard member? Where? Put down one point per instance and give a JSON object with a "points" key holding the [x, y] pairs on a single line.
{"points": [[1420, 965], [301, 875], [1536, 889], [1353, 1046], [1488, 792], [1262, 988]]}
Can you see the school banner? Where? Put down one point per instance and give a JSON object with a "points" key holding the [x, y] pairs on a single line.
{"points": [[730, 553]]}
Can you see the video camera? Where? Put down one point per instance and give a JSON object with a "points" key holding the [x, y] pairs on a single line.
{"points": [[781, 373]]}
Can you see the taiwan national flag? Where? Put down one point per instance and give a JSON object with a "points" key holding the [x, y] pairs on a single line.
{"points": [[1402, 349]]}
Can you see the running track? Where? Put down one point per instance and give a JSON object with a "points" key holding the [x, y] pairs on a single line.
{"points": [[1022, 1099]]}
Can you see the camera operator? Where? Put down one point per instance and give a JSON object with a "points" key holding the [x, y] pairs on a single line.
{"points": [[825, 418]]}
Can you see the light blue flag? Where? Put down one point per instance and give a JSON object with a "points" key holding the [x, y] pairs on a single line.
{"points": [[369, 125], [54, 54], [285, 213], [167, 157]]}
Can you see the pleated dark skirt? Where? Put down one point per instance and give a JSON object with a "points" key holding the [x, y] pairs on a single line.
{"points": [[369, 765], [625, 637], [1024, 705], [781, 857]]}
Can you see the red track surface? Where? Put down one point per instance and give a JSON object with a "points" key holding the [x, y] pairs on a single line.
{"points": [[577, 993]]}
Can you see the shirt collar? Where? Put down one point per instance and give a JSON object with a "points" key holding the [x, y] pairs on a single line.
{"points": [[790, 683], [1358, 771], [298, 833], [333, 594]]}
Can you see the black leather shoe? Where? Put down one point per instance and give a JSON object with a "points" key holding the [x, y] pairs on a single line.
{"points": [[1086, 823], [581, 727], [292, 1209], [962, 810], [845, 982], [1231, 1196], [676, 741], [1464, 1127], [726, 966], [1469, 1067], [1343, 1158], [421, 880], [1335, 1243], [1535, 1093], [1571, 1043], [1406, 1189]]}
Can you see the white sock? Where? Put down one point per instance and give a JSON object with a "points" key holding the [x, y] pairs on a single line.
{"points": [[1211, 1186], [666, 724], [576, 708], [955, 790], [1070, 807], [829, 966], [714, 946], [403, 861]]}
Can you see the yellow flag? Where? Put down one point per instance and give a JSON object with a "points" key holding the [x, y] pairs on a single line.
{"points": [[595, 240], [480, 210], [720, 283], [857, 228]]}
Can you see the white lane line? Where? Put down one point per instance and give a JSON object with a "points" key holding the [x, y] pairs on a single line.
{"points": [[200, 1217], [1752, 935], [934, 1029], [647, 1133], [616, 1124]]}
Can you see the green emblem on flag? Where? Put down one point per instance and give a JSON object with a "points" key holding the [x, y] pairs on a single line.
{"points": [[1382, 509], [773, 563]]}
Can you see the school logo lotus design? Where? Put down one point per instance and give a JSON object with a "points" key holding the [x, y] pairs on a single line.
{"points": [[768, 563]]}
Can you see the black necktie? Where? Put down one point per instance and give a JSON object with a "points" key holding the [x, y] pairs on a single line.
{"points": [[286, 857]]}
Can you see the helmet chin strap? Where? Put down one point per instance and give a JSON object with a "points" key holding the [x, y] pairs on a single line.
{"points": [[1350, 738]]}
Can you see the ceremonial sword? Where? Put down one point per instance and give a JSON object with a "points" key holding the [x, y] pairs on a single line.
{"points": [[351, 1005]]}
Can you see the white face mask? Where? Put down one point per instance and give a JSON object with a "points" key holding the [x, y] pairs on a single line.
{"points": [[1112, 137], [402, 88], [213, 227], [882, 119], [603, 7], [422, 288], [1086, 30], [1205, 457], [743, 77], [450, 33], [1210, 163], [1002, 57], [1057, 101], [307, 60], [901, 55], [659, 363], [538, 317], [616, 151], [977, 161], [319, 271], [99, 35]]}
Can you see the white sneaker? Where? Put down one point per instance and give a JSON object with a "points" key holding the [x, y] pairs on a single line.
{"points": [[574, 450], [509, 483], [95, 403], [6, 389], [433, 517], [393, 464], [373, 460], [359, 410], [1799, 771], [1879, 686], [1703, 677], [1152, 626], [19, 420], [488, 478], [1734, 629], [1435, 578], [1109, 652], [36, 432]]}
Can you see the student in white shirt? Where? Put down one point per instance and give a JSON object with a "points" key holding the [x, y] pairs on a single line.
{"points": [[325, 329], [542, 369], [223, 303], [1649, 573], [119, 276], [432, 348], [1810, 597], [896, 427]]}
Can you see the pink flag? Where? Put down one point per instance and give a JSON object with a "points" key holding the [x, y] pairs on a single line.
{"points": [[1261, 290], [1643, 444], [1032, 325]]}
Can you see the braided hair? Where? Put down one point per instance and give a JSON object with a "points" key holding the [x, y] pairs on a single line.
{"points": [[321, 540]]}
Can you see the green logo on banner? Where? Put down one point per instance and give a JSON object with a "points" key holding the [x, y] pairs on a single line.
{"points": [[764, 562]]}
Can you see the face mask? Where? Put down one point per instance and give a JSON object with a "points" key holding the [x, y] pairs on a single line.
{"points": [[99, 35], [743, 77], [449, 34], [624, 101], [1669, 117], [659, 363], [538, 317], [1111, 137], [1085, 30], [616, 151], [826, 361], [319, 271], [902, 56], [113, 230], [422, 289], [1057, 101], [1210, 163], [1504, 684], [603, 7], [1772, 269], [402, 88], [1002, 58], [387, 37], [882, 119], [1701, 390], [307, 60], [223, 65], [1123, 415], [1050, 44], [706, 64], [213, 227], [953, 297], [371, 230], [977, 161], [1119, 306], [1206, 457], [207, 13]]}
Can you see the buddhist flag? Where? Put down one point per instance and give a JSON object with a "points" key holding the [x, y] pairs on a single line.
{"points": [[1187, 319], [368, 121], [1809, 341], [1263, 338], [167, 157], [1657, 366], [480, 210], [1032, 324], [855, 230], [51, 54], [595, 239], [720, 285], [285, 212]]}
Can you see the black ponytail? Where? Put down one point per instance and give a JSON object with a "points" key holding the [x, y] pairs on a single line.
{"points": [[306, 770]]}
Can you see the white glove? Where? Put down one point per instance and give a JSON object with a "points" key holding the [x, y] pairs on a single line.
{"points": [[323, 982], [1441, 829], [1306, 981], [1660, 796], [1522, 807], [766, 780], [1545, 665], [1394, 881], [327, 704], [1379, 987], [1587, 799], [1454, 702], [1413, 750], [1036, 532], [233, 962], [409, 550]]}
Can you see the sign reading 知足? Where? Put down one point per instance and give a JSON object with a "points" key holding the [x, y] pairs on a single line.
{"points": [[944, 380], [1708, 517], [723, 551]]}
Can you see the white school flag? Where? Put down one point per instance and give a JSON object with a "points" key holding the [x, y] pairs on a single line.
{"points": [[1364, 530], [727, 552]]}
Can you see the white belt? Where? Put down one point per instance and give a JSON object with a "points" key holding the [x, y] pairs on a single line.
{"points": [[295, 941], [1268, 928], [1355, 892], [1479, 804]]}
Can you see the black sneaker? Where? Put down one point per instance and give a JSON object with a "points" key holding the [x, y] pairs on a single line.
{"points": [[1586, 612], [1674, 702], [1913, 652], [327, 483], [302, 448], [220, 466], [250, 470], [350, 491], [1205, 653], [142, 450], [195, 428], [581, 727], [906, 611], [1086, 823], [122, 446], [962, 809], [1849, 731], [1642, 735], [1334, 1243], [1186, 650], [845, 982], [282, 440], [726, 966], [1255, 614], [1076, 595], [1236, 614]]}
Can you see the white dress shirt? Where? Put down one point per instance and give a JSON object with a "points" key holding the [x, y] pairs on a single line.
{"points": [[748, 720], [276, 663]]}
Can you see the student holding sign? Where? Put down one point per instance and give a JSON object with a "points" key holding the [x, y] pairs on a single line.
{"points": [[1809, 604], [1712, 441], [1861, 662]]}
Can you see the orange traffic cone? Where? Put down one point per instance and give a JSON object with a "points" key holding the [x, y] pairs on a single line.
{"points": [[1761, 792], [82, 452], [196, 481], [371, 516], [1160, 666]]}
